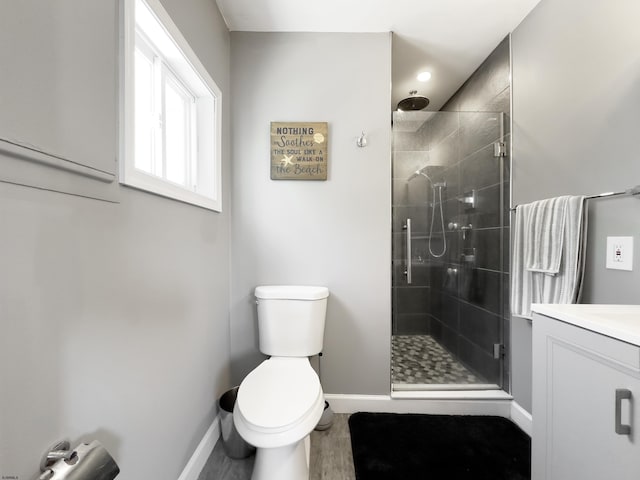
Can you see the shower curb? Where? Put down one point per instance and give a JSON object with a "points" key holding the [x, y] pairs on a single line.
{"points": [[444, 403]]}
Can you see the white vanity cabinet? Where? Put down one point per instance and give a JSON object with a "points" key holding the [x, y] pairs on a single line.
{"points": [[586, 392]]}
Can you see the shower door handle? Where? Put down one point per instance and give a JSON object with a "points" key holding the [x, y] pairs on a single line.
{"points": [[407, 272]]}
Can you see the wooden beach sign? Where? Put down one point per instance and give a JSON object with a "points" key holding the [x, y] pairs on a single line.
{"points": [[299, 150]]}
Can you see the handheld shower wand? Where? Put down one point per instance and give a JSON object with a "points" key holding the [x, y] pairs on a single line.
{"points": [[434, 186]]}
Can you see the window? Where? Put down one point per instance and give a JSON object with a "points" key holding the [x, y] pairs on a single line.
{"points": [[171, 111]]}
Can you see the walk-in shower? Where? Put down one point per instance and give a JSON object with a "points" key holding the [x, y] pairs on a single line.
{"points": [[450, 242]]}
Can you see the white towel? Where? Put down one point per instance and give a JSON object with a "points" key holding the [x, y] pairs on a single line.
{"points": [[545, 238], [520, 276], [528, 286]]}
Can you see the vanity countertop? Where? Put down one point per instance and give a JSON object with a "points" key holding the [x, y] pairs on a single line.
{"points": [[621, 322]]}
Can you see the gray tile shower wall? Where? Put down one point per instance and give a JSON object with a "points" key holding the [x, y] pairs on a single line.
{"points": [[410, 302], [466, 289], [481, 294], [484, 87]]}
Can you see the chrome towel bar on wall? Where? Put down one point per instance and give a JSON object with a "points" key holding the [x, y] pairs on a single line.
{"points": [[630, 191]]}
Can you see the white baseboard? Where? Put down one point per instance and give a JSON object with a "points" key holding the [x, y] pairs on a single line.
{"points": [[451, 404], [201, 454], [521, 417]]}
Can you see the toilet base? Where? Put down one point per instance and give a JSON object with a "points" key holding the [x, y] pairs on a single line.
{"points": [[290, 462]]}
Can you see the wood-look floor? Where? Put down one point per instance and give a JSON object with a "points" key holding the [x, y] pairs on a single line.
{"points": [[331, 457]]}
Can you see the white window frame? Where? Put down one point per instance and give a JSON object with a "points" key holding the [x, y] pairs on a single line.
{"points": [[204, 177]]}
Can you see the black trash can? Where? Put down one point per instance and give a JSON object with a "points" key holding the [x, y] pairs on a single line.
{"points": [[234, 445]]}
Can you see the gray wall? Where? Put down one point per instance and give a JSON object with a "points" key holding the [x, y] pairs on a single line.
{"points": [[576, 94], [114, 315], [334, 232]]}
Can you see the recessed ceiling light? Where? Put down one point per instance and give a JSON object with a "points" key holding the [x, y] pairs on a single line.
{"points": [[424, 76]]}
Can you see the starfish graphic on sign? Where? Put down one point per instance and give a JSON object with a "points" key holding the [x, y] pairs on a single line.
{"points": [[286, 160]]}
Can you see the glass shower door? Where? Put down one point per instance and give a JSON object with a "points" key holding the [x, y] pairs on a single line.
{"points": [[450, 265]]}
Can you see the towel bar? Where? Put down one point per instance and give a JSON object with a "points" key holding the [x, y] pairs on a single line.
{"points": [[630, 191]]}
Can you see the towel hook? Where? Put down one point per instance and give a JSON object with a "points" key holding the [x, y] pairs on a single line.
{"points": [[361, 141]]}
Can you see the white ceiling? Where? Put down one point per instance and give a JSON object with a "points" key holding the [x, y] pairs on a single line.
{"points": [[450, 38]]}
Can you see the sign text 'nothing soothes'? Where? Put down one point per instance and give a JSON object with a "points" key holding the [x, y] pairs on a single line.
{"points": [[299, 150]]}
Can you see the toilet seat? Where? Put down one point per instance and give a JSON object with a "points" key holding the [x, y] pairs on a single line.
{"points": [[278, 393], [279, 402]]}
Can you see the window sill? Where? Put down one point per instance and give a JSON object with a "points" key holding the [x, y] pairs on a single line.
{"points": [[148, 183]]}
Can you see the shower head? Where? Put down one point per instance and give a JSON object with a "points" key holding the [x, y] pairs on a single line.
{"points": [[441, 184], [420, 172], [413, 102]]}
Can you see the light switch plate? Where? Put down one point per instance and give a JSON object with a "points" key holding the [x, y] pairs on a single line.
{"points": [[620, 253]]}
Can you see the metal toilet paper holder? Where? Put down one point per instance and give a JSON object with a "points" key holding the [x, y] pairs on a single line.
{"points": [[88, 461]]}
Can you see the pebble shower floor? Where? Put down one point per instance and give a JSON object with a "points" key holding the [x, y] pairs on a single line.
{"points": [[420, 359]]}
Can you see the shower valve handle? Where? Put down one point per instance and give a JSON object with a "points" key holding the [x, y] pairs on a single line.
{"points": [[464, 230]]}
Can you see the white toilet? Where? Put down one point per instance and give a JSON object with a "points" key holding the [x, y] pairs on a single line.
{"points": [[281, 401]]}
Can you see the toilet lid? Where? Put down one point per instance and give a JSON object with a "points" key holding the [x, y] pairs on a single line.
{"points": [[279, 392]]}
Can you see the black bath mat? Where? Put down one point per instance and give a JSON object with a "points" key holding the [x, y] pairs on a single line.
{"points": [[438, 447]]}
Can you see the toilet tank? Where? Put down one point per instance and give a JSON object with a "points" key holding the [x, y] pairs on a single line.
{"points": [[291, 319]]}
